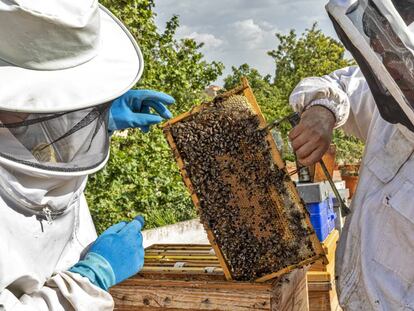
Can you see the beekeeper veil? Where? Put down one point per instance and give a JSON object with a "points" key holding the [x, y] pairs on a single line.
{"points": [[380, 36], [62, 63], [74, 142]]}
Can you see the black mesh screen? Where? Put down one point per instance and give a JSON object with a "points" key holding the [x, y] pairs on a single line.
{"points": [[68, 141]]}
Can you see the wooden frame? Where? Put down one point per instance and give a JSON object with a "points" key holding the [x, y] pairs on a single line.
{"points": [[173, 279], [245, 90]]}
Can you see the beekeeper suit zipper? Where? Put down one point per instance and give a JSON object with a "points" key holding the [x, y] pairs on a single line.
{"points": [[47, 213], [41, 211]]}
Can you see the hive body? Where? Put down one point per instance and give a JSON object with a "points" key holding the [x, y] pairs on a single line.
{"points": [[246, 200]]}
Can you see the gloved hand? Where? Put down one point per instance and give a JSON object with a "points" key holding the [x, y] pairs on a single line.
{"points": [[133, 110], [116, 255], [312, 136]]}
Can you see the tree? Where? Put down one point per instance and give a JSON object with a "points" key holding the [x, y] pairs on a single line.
{"points": [[256, 80], [141, 176], [268, 96], [312, 54], [298, 57]]}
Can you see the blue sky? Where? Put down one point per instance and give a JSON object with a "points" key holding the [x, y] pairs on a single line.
{"points": [[242, 31]]}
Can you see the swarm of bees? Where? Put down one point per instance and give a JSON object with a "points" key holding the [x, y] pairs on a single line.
{"points": [[244, 198]]}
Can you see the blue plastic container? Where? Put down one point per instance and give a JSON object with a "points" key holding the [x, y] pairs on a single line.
{"points": [[322, 217]]}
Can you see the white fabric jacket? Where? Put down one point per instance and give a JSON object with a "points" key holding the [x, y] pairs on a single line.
{"points": [[375, 267], [34, 255]]}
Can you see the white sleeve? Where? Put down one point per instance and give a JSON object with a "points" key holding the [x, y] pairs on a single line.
{"points": [[65, 291], [345, 93]]}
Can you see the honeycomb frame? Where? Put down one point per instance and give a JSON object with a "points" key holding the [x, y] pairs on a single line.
{"points": [[214, 237]]}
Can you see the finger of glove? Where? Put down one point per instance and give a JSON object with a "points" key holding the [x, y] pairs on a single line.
{"points": [[155, 96], [115, 228], [145, 109], [141, 219], [135, 104], [144, 119], [145, 129], [159, 107], [132, 228]]}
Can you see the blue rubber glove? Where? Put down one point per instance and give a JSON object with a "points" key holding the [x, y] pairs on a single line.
{"points": [[133, 110], [116, 255]]}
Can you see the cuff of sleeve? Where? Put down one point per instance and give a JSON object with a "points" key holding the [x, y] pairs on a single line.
{"points": [[97, 269], [331, 106]]}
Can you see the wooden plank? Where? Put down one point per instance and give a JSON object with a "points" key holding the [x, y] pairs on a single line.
{"points": [[179, 246], [178, 252], [200, 284], [319, 276], [321, 283], [193, 299], [288, 294], [190, 290], [319, 301], [202, 270], [157, 275], [292, 297], [320, 286], [329, 246], [183, 257], [323, 300], [194, 295]]}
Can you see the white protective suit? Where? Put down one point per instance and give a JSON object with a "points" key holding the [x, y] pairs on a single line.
{"points": [[374, 260], [62, 63], [35, 254]]}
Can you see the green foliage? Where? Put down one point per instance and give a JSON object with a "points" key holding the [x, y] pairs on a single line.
{"points": [[349, 148], [268, 96], [256, 80], [141, 176], [312, 54]]}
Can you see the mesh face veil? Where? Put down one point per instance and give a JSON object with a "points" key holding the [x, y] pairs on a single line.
{"points": [[379, 35], [74, 142]]}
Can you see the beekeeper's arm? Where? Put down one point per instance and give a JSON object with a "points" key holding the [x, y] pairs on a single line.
{"points": [[336, 100], [116, 255], [64, 291]]}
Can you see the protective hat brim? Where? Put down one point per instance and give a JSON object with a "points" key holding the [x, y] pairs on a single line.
{"points": [[114, 70]]}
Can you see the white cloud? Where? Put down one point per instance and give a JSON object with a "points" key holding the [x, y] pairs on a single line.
{"points": [[242, 31], [248, 32], [210, 41], [251, 35]]}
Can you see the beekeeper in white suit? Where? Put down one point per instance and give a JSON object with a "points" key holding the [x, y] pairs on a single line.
{"points": [[374, 102], [66, 67]]}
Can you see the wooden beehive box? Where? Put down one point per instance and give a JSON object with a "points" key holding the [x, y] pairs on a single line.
{"points": [[249, 206], [321, 279], [189, 277]]}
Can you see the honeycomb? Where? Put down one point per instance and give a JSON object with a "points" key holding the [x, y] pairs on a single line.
{"points": [[244, 199]]}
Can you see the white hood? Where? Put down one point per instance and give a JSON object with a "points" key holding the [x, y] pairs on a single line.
{"points": [[47, 196], [381, 42]]}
